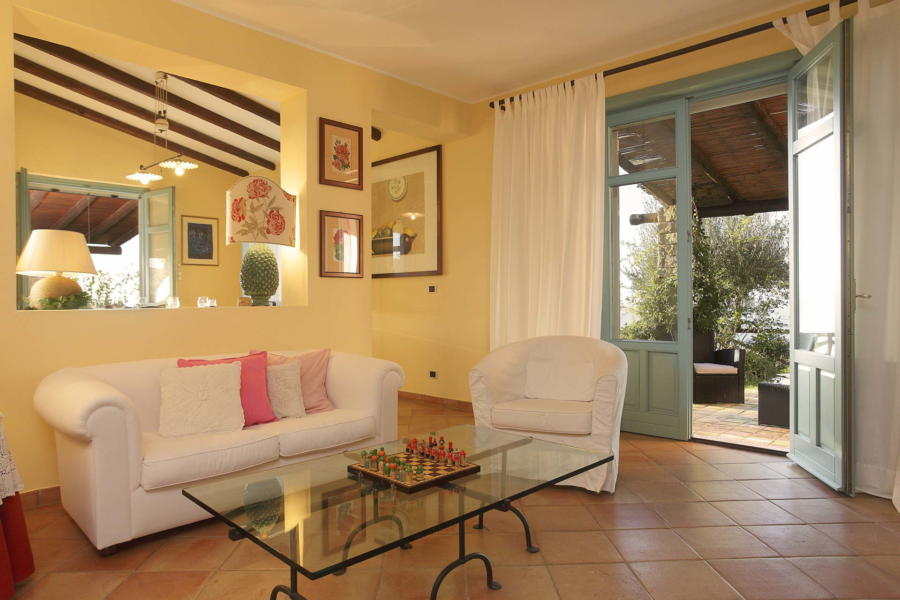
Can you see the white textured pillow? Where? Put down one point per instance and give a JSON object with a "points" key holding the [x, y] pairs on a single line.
{"points": [[204, 399], [285, 392], [560, 381]]}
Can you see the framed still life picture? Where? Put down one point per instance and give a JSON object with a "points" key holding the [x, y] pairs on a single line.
{"points": [[199, 241], [340, 154], [406, 214], [340, 244]]}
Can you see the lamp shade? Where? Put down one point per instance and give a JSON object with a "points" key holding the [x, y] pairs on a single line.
{"points": [[258, 210], [55, 251]]}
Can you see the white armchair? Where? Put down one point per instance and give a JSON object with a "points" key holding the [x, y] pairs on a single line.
{"points": [[564, 389]]}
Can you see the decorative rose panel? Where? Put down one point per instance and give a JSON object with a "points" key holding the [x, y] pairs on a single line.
{"points": [[258, 210]]}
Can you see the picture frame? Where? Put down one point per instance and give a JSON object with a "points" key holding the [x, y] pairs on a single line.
{"points": [[340, 244], [344, 511], [340, 154], [199, 241], [407, 195]]}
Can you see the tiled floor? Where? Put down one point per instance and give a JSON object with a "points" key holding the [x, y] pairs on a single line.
{"points": [[737, 424], [687, 521]]}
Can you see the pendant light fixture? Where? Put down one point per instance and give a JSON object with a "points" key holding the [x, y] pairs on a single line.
{"points": [[177, 163]]}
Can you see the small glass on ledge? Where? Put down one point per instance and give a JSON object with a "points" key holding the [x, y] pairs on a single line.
{"points": [[173, 302]]}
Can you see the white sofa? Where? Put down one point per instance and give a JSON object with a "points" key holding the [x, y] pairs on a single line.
{"points": [[564, 389], [120, 480]]}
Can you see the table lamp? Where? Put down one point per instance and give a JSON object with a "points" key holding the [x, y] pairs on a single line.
{"points": [[50, 253]]}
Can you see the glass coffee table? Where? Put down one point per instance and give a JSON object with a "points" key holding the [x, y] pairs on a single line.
{"points": [[319, 519]]}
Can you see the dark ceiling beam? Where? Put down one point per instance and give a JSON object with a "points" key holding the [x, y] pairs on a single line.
{"points": [[98, 117], [116, 217], [704, 162], [47, 74], [757, 112], [123, 238], [74, 212], [747, 207], [243, 102], [35, 197], [136, 84], [105, 250]]}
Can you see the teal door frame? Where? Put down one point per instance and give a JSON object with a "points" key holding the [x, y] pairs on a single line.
{"points": [[659, 388]]}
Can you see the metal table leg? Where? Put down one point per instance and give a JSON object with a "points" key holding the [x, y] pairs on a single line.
{"points": [[463, 559], [508, 507], [290, 592]]}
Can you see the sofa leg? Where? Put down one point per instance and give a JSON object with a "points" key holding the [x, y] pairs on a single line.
{"points": [[109, 550]]}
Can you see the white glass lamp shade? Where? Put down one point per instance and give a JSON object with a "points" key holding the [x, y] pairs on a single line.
{"points": [[258, 210], [51, 251]]}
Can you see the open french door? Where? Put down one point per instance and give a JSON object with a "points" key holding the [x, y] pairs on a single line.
{"points": [[648, 246], [820, 260]]}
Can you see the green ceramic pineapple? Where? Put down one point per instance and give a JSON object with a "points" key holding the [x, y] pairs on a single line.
{"points": [[259, 274]]}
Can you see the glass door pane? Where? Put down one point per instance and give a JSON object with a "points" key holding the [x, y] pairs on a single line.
{"points": [[642, 146], [815, 93]]}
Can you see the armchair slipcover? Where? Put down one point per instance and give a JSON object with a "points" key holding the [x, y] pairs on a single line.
{"points": [[564, 389]]}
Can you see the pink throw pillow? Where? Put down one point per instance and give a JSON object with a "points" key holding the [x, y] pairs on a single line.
{"points": [[254, 386], [313, 369]]}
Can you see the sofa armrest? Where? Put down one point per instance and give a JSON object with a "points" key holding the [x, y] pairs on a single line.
{"points": [[67, 399], [498, 377], [366, 384]]}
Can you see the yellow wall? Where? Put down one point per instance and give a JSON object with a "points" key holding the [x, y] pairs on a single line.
{"points": [[163, 35], [91, 151]]}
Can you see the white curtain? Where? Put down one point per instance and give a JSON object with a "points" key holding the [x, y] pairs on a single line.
{"points": [[876, 160], [547, 213], [804, 35]]}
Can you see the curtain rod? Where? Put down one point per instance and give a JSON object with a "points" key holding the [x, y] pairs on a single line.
{"points": [[682, 51]]}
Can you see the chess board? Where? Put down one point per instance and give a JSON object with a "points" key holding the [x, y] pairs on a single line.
{"points": [[435, 472]]}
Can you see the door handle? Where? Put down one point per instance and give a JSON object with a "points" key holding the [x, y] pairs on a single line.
{"points": [[864, 296]]}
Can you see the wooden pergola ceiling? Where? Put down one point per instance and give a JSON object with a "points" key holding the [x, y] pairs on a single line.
{"points": [[738, 157], [104, 220], [210, 124]]}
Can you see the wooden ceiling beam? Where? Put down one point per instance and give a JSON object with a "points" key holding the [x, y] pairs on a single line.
{"points": [[35, 197], [241, 101], [747, 207], [47, 74], [98, 117], [75, 211], [123, 238], [116, 217], [757, 112], [117, 250], [98, 67]]}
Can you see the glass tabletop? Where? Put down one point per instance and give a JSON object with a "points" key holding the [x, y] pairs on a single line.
{"points": [[319, 518]]}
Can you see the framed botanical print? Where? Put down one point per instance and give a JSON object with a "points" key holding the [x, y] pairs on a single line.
{"points": [[340, 244], [406, 214], [340, 154], [199, 241]]}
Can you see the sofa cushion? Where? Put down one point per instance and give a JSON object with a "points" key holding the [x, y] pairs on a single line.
{"points": [[714, 369], [285, 392], [175, 461], [555, 380], [542, 414], [198, 400], [254, 386], [321, 431]]}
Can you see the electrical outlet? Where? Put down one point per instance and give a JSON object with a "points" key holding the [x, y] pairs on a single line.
{"points": [[432, 289], [432, 374]]}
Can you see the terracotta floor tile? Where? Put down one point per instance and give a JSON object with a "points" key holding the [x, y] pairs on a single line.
{"points": [[713, 491], [675, 456], [74, 586], [691, 514], [821, 510], [769, 579], [519, 583], [128, 558], [189, 554], [242, 585], [683, 580], [555, 496], [863, 538], [494, 521], [646, 473], [789, 470], [181, 585], [888, 564], [650, 544], [663, 491], [431, 551], [355, 584], [613, 581], [49, 555], [61, 528], [880, 509], [247, 556], [698, 472], [506, 549], [622, 495], [756, 512], [724, 542], [38, 518], [749, 471], [716, 456], [213, 528], [570, 547], [850, 577], [786, 489], [563, 518], [415, 584], [625, 516], [798, 540]]}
